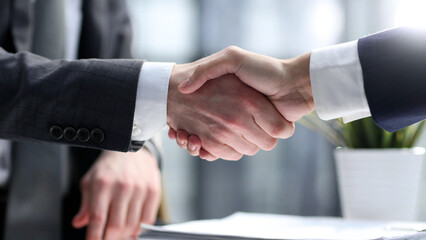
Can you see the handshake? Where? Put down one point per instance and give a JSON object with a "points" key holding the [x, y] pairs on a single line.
{"points": [[235, 102]]}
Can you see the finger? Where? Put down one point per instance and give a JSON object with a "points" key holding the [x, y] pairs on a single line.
{"points": [[82, 218], [135, 213], [241, 145], [259, 137], [172, 134], [99, 205], [182, 139], [206, 155], [271, 121], [194, 145], [236, 143], [117, 218], [231, 136], [220, 150], [151, 205], [226, 62]]}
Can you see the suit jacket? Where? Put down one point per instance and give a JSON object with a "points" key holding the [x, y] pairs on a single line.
{"points": [[69, 101], [37, 93], [394, 70]]}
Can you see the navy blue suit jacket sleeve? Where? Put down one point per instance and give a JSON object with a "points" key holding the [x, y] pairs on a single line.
{"points": [[394, 69], [95, 96]]}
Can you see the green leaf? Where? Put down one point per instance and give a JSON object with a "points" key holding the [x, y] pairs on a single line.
{"points": [[362, 133]]}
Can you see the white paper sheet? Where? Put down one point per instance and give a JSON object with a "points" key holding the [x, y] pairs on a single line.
{"points": [[271, 226]]}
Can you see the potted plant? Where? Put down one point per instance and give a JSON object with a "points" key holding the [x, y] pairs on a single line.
{"points": [[380, 175]]}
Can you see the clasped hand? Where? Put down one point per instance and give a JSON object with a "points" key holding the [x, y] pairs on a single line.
{"points": [[234, 102]]}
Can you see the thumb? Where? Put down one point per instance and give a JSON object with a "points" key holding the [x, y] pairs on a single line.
{"points": [[192, 84], [208, 70]]}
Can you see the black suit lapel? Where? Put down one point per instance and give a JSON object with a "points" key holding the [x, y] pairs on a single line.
{"points": [[22, 24]]}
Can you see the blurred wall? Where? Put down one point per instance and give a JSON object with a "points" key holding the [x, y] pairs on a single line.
{"points": [[297, 177]]}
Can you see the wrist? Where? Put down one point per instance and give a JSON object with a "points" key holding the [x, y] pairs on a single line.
{"points": [[294, 96], [299, 69], [300, 66], [178, 75]]}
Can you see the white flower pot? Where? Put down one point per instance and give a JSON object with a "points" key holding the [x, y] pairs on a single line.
{"points": [[382, 184]]}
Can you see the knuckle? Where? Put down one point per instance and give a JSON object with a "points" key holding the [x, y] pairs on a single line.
{"points": [[140, 188], [102, 183], [154, 191], [236, 157], [279, 130], [253, 151], [84, 183], [290, 130], [231, 120], [97, 217], [182, 135], [115, 227], [270, 143], [234, 54], [124, 186], [232, 50], [232, 156]]}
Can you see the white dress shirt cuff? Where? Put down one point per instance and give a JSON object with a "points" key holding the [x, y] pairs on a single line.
{"points": [[151, 100], [337, 83]]}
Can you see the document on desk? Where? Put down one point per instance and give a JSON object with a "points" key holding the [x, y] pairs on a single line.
{"points": [[247, 226]]}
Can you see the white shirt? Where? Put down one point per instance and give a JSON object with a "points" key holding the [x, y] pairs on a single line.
{"points": [[151, 100], [337, 83]]}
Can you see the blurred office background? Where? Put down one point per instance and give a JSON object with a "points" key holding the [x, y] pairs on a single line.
{"points": [[298, 177]]}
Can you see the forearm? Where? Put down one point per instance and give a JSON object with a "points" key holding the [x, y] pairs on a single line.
{"points": [[38, 93]]}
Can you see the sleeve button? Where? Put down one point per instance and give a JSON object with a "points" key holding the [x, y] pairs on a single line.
{"points": [[70, 134], [56, 132], [83, 135], [97, 135]]}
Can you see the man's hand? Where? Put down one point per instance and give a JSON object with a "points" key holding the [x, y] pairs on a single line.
{"points": [[120, 191], [285, 82], [229, 117]]}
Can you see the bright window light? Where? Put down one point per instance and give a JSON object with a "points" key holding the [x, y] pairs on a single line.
{"points": [[411, 13]]}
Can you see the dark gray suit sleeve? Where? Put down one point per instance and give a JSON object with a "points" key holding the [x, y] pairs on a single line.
{"points": [[394, 71], [88, 103]]}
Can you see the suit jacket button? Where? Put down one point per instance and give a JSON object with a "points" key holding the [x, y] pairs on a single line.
{"points": [[56, 132], [97, 135], [83, 134], [70, 134]]}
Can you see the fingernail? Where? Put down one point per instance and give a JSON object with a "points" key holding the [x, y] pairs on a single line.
{"points": [[192, 147], [182, 142], [184, 84]]}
